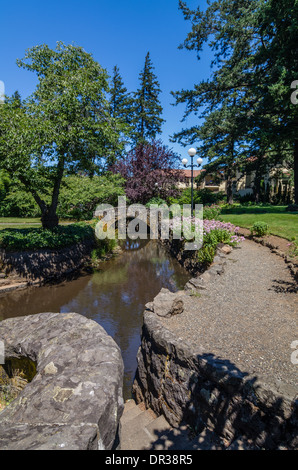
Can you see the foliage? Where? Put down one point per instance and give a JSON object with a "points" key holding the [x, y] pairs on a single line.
{"points": [[156, 200], [103, 247], [260, 229], [200, 196], [148, 170], [293, 248], [32, 238], [19, 203], [80, 195], [215, 232], [245, 106], [4, 184], [147, 108], [211, 212], [64, 126], [121, 109]]}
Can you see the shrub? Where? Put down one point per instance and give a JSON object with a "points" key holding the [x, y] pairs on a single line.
{"points": [[260, 229], [215, 232], [293, 248], [156, 200], [33, 238], [80, 195], [78, 198], [211, 212], [19, 203]]}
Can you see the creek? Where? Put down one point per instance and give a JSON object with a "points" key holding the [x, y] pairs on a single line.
{"points": [[114, 296]]}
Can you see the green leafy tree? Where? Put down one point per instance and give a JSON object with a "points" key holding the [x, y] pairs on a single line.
{"points": [[5, 183], [80, 195], [147, 109], [64, 127]]}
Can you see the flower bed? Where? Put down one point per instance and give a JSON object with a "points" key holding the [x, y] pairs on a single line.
{"points": [[211, 234]]}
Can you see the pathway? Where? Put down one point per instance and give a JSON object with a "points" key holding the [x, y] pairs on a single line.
{"points": [[248, 315], [141, 429]]}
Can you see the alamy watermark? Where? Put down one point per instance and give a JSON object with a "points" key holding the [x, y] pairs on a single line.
{"points": [[156, 222], [294, 95]]}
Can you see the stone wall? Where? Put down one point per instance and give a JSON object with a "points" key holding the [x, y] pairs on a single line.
{"points": [[45, 264], [201, 390], [74, 401]]}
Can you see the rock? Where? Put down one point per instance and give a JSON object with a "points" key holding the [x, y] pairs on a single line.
{"points": [[168, 304], [216, 269], [197, 283], [75, 398], [226, 249]]}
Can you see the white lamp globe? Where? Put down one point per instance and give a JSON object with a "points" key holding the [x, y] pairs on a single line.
{"points": [[192, 152], [199, 161], [185, 161]]}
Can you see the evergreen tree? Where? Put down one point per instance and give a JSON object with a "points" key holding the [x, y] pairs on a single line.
{"points": [[122, 111], [276, 70], [255, 59], [222, 102], [148, 110], [121, 101]]}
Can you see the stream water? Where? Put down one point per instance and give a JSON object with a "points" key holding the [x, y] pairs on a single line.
{"points": [[114, 297]]}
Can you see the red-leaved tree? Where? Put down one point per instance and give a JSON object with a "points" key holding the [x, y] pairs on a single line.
{"points": [[150, 171]]}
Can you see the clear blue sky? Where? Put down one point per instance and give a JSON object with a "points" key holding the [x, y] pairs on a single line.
{"points": [[115, 32]]}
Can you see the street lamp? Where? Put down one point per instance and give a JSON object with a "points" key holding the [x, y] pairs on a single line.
{"points": [[191, 152]]}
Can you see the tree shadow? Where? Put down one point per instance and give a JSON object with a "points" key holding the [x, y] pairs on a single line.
{"points": [[223, 408], [284, 287]]}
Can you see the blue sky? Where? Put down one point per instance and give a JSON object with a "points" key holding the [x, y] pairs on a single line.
{"points": [[115, 32]]}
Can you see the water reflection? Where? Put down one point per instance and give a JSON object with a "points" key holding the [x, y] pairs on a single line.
{"points": [[114, 297]]}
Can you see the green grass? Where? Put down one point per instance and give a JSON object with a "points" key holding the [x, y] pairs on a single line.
{"points": [[19, 222], [281, 223]]}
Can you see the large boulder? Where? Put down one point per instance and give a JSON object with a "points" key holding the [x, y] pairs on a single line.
{"points": [[74, 400]]}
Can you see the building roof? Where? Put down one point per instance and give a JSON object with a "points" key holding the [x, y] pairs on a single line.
{"points": [[187, 173]]}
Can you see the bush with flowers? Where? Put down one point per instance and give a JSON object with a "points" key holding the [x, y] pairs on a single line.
{"points": [[214, 232]]}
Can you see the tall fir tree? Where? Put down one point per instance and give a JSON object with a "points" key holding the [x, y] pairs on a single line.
{"points": [[121, 101], [148, 109], [222, 102], [276, 77], [255, 61], [122, 111]]}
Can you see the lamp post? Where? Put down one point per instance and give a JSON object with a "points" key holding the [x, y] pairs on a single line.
{"points": [[191, 153]]}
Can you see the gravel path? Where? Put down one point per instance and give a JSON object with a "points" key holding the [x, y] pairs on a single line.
{"points": [[247, 315]]}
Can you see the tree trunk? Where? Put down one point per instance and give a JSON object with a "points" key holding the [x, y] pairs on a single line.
{"points": [[296, 172], [49, 219], [229, 189], [257, 181]]}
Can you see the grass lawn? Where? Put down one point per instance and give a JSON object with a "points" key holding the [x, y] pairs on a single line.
{"points": [[281, 223], [19, 222]]}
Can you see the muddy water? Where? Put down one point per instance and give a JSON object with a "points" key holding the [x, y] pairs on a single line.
{"points": [[114, 296]]}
